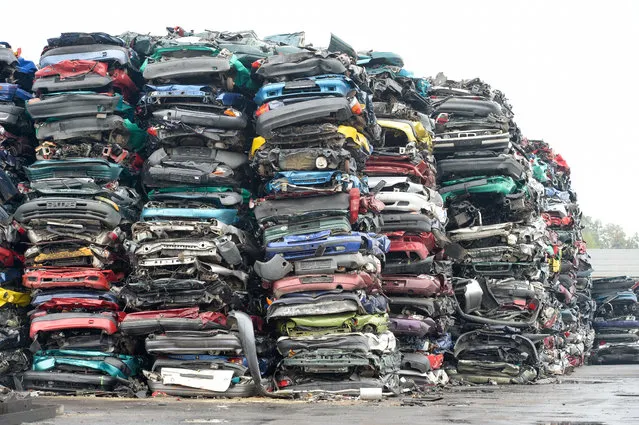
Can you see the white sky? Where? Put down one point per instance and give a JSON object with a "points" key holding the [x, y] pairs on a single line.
{"points": [[569, 68]]}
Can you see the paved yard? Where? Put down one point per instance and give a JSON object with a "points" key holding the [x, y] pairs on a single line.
{"points": [[593, 395]]}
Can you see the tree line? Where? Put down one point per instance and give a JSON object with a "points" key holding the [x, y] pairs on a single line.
{"points": [[597, 234]]}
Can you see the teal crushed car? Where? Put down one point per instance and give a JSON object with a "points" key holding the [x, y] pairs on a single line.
{"points": [[501, 185], [116, 365]]}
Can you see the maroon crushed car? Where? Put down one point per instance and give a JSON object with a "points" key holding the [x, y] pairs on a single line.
{"points": [[422, 285], [325, 282]]}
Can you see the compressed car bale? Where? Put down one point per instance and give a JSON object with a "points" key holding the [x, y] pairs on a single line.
{"points": [[79, 204], [320, 228], [506, 207], [16, 152], [192, 247], [416, 275]]}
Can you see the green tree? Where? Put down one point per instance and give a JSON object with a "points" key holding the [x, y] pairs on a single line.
{"points": [[597, 234], [592, 230], [613, 236]]}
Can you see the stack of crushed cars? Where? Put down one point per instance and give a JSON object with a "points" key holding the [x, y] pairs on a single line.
{"points": [[320, 225], [615, 322], [16, 152], [417, 274], [79, 204], [217, 215], [569, 263], [518, 315], [192, 248]]}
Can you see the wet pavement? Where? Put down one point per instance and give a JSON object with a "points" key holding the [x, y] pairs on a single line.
{"points": [[593, 395]]}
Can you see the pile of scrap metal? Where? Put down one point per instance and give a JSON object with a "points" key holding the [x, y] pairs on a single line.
{"points": [[615, 323], [309, 220], [192, 249], [320, 225], [523, 305], [16, 150], [570, 270], [78, 206], [417, 276]]}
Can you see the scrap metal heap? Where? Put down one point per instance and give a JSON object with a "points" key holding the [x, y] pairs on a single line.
{"points": [[308, 220], [417, 275], [192, 249], [16, 150], [615, 323], [79, 204], [320, 225], [522, 286]]}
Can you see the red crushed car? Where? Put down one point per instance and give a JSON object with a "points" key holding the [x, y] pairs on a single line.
{"points": [[51, 322], [69, 277]]}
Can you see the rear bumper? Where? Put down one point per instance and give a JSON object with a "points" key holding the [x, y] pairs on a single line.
{"points": [[98, 169], [342, 281], [192, 344], [203, 118], [61, 321], [72, 105], [52, 208], [97, 52], [81, 82], [67, 382], [68, 278], [10, 114], [77, 127], [334, 107], [186, 68], [455, 168]]}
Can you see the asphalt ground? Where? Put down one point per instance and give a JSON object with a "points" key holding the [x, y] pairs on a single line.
{"points": [[592, 395]]}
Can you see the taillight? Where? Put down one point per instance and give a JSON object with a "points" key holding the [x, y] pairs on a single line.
{"points": [[256, 64], [283, 383], [18, 227], [354, 198], [232, 112], [22, 188], [356, 107], [222, 170], [262, 109], [442, 118], [152, 131], [273, 104]]}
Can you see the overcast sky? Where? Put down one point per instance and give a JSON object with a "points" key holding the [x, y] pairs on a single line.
{"points": [[569, 68]]}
